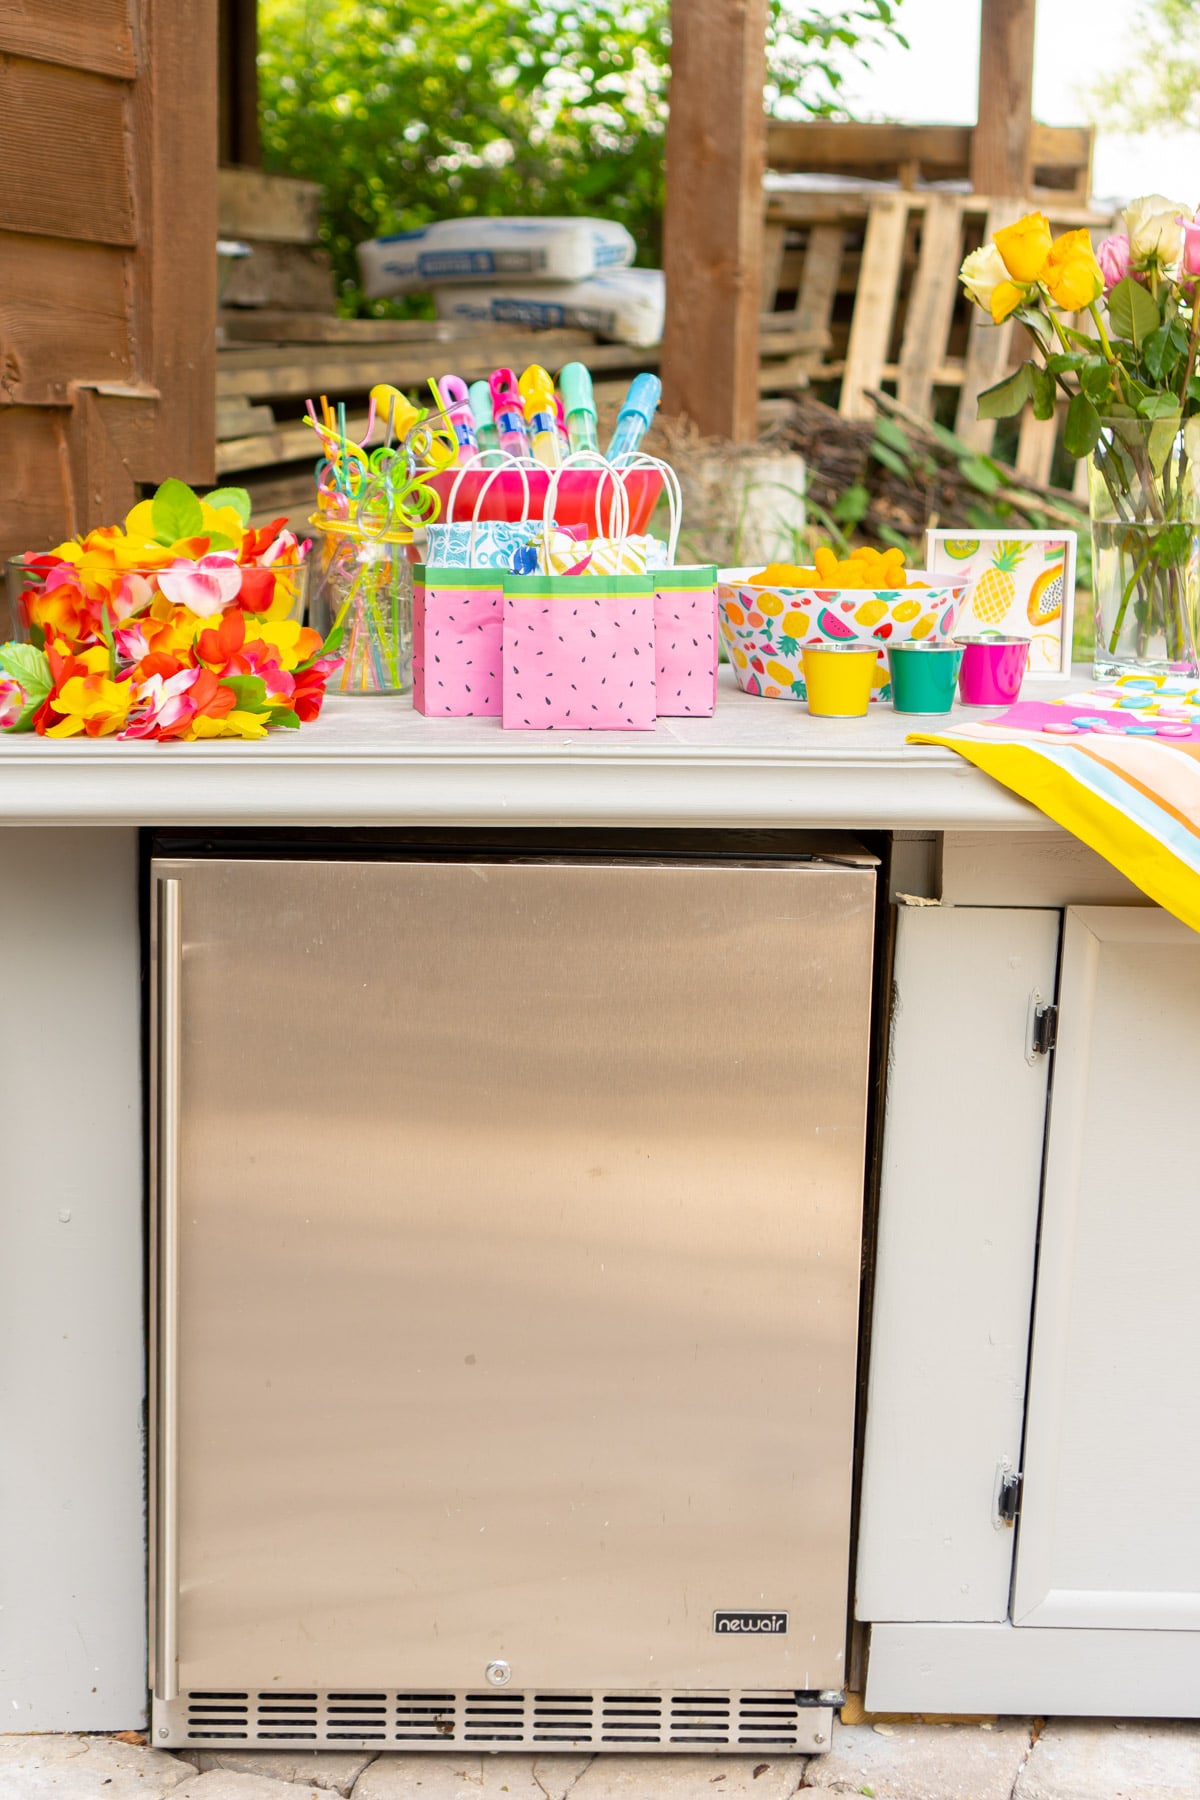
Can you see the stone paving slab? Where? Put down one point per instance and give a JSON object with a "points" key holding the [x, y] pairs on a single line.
{"points": [[334, 1770], [690, 1778], [925, 1762], [446, 1775], [230, 1784], [87, 1768], [1094, 1759]]}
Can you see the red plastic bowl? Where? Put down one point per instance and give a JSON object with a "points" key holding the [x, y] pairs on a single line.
{"points": [[575, 502]]}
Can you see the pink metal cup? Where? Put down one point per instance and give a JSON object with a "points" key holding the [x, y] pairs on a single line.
{"points": [[992, 670]]}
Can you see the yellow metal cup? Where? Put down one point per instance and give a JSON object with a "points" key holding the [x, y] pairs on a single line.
{"points": [[838, 679]]}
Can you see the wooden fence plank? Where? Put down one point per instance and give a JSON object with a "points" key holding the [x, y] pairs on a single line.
{"points": [[85, 335], [819, 279], [875, 306], [64, 153], [77, 34], [174, 115], [1035, 446], [772, 262], [296, 276], [38, 507], [712, 230], [274, 208], [931, 302], [1002, 144]]}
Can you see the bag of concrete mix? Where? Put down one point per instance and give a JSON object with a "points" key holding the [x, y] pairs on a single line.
{"points": [[627, 305], [491, 250]]}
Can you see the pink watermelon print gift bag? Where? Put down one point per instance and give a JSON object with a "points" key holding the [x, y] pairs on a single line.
{"points": [[579, 653], [458, 619], [685, 641]]}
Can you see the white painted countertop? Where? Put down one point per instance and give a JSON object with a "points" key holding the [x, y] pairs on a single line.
{"points": [[372, 761]]}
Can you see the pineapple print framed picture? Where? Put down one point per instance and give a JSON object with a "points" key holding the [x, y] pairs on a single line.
{"points": [[1022, 583]]}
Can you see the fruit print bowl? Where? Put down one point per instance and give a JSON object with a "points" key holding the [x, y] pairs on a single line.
{"points": [[764, 629]]}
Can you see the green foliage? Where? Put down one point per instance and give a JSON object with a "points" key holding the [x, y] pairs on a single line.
{"points": [[175, 512], [408, 111], [1155, 80]]}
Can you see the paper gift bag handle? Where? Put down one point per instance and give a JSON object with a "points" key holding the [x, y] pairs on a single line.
{"points": [[503, 464], [618, 511], [638, 460]]}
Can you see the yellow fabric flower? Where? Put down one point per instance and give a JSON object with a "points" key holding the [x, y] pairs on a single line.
{"points": [[1025, 246], [1006, 297], [91, 704], [233, 724], [1072, 274]]}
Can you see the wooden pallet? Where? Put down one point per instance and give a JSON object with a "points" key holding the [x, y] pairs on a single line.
{"points": [[901, 323], [285, 358]]}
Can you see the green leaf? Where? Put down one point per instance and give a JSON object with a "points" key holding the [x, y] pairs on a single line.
{"points": [[1160, 439], [1159, 352], [981, 472], [1172, 546], [1095, 379], [887, 431], [1064, 362], [1156, 406], [29, 667], [888, 457], [218, 541], [1132, 313], [106, 633], [283, 715], [175, 512], [1007, 397], [1082, 431], [333, 642], [238, 498], [1044, 393], [250, 692], [852, 504]]}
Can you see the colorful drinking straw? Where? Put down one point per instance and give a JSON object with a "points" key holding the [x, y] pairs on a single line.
{"points": [[537, 395], [509, 412]]}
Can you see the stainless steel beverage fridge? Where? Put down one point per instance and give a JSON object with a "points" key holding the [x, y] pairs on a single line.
{"points": [[507, 1218]]}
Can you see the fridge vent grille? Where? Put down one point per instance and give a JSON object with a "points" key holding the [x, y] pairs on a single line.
{"points": [[777, 1720]]}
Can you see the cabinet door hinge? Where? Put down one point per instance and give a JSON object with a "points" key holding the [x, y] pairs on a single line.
{"points": [[1008, 1498], [1045, 1029]]}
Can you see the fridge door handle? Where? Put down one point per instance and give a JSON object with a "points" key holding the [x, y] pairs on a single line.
{"points": [[170, 972]]}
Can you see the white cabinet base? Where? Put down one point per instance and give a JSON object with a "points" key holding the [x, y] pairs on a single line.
{"points": [[1004, 1669]]}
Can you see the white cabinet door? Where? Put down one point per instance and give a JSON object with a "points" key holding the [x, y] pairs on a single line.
{"points": [[1110, 1519], [958, 1211]]}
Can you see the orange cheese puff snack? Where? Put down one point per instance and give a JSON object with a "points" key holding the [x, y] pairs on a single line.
{"points": [[785, 575]]}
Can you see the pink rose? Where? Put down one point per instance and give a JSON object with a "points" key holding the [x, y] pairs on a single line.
{"points": [[1191, 246], [1114, 258]]}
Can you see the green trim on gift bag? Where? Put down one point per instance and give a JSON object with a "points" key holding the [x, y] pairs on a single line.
{"points": [[587, 587], [449, 575], [690, 578]]}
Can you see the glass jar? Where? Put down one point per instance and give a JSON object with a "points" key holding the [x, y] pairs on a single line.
{"points": [[1144, 491], [363, 586]]}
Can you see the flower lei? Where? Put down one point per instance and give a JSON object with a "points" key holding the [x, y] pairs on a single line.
{"points": [[176, 625]]}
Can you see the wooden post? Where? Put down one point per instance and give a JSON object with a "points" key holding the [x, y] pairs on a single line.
{"points": [[1001, 148], [713, 228]]}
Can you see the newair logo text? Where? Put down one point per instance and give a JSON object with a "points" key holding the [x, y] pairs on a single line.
{"points": [[762, 1624]]}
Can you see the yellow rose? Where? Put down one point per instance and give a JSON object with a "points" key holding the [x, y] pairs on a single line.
{"points": [[1072, 274], [1025, 246], [981, 274], [1006, 297]]}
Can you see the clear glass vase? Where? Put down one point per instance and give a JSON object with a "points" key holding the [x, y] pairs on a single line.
{"points": [[363, 586], [1144, 493]]}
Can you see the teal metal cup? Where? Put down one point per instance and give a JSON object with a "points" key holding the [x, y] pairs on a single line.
{"points": [[923, 676]]}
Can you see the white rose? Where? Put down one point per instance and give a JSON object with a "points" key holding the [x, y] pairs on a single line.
{"points": [[981, 274], [1155, 233]]}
